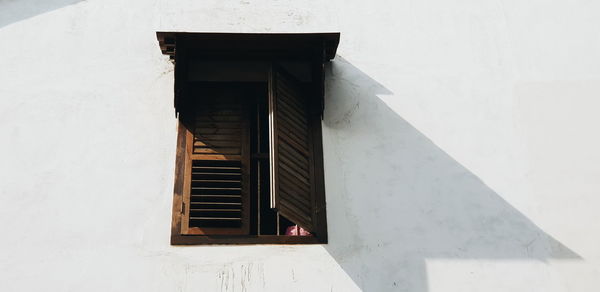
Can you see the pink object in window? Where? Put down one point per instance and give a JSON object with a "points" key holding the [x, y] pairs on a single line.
{"points": [[297, 231]]}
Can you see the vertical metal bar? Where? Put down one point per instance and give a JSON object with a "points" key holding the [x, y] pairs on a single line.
{"points": [[278, 223], [273, 151], [258, 178]]}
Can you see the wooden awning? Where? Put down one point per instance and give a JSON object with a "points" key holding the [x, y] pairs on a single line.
{"points": [[252, 45], [314, 48]]}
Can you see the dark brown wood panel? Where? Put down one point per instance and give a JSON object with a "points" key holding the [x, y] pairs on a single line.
{"points": [[217, 182], [291, 150]]}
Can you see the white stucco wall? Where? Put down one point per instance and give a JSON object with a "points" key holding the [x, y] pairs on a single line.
{"points": [[461, 147]]}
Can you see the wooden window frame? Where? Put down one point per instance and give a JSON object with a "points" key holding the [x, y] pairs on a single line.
{"points": [[315, 48]]}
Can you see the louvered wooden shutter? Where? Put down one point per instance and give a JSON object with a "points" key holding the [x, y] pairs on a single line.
{"points": [[216, 187], [297, 190]]}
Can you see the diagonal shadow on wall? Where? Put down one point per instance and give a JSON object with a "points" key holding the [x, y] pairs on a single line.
{"points": [[16, 10], [425, 205]]}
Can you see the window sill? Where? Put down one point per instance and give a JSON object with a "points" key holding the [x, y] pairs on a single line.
{"points": [[245, 239]]}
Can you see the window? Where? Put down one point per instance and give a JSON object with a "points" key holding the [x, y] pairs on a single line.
{"points": [[249, 165]]}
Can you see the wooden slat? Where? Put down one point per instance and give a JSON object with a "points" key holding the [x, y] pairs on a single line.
{"points": [[213, 131], [216, 157], [289, 126], [294, 135], [221, 180], [295, 183], [294, 156], [292, 104], [215, 192], [216, 196], [290, 116], [214, 218], [214, 210], [284, 138], [211, 137], [216, 203], [292, 174], [229, 176], [207, 188], [209, 143], [217, 169], [294, 153], [216, 150], [217, 174], [293, 115], [287, 91], [295, 167], [297, 174], [298, 216], [296, 200]]}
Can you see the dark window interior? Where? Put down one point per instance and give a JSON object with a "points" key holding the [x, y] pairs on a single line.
{"points": [[264, 220]]}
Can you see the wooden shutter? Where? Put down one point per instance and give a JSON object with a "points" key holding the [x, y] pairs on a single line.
{"points": [[216, 186], [297, 190]]}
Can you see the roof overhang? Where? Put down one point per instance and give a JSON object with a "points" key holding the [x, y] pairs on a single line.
{"points": [[315, 48], [257, 45]]}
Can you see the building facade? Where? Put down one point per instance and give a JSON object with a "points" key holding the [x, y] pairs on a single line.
{"points": [[460, 146]]}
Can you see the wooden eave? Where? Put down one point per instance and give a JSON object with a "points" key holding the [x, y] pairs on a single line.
{"points": [[322, 45]]}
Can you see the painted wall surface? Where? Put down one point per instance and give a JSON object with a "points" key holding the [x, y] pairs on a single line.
{"points": [[461, 147]]}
